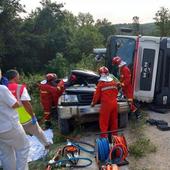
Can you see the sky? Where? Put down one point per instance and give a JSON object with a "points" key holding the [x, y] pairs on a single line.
{"points": [[115, 11]]}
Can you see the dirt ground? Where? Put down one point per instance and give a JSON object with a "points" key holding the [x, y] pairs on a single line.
{"points": [[160, 160]]}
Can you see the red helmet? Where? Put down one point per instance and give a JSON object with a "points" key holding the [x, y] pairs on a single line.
{"points": [[73, 77], [103, 70], [51, 76], [116, 60]]}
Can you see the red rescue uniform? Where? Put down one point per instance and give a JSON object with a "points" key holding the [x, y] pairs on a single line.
{"points": [[125, 79], [106, 93], [49, 96]]}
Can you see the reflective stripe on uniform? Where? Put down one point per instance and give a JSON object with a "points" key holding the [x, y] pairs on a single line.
{"points": [[43, 91], [46, 113], [108, 88]]}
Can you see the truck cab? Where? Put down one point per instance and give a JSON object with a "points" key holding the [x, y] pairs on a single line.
{"points": [[148, 59]]}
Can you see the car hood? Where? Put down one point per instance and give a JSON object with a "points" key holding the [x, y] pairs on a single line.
{"points": [[86, 81], [85, 77]]}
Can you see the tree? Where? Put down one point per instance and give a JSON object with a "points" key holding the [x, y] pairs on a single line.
{"points": [[58, 65], [85, 19], [162, 20], [105, 28], [136, 25], [40, 34]]}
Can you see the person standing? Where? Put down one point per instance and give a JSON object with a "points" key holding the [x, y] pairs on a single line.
{"points": [[50, 91], [106, 93], [125, 79], [25, 111], [14, 145]]}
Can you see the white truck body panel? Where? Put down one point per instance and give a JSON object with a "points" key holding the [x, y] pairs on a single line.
{"points": [[146, 43]]}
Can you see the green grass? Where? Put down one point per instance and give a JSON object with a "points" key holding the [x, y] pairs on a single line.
{"points": [[141, 145]]}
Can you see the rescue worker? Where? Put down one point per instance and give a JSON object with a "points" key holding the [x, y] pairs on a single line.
{"points": [[26, 115], [106, 93], [14, 145], [125, 79], [50, 92]]}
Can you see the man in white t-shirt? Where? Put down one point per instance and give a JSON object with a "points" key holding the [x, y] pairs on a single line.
{"points": [[14, 144], [26, 115]]}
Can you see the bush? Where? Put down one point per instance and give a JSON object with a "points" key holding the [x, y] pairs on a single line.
{"points": [[58, 65], [141, 147], [88, 62], [31, 82]]}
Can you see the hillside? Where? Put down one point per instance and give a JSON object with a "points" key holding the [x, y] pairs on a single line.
{"points": [[145, 29]]}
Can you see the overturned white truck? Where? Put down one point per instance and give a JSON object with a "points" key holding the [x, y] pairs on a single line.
{"points": [[149, 59]]}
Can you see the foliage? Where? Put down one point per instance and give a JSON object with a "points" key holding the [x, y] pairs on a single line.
{"points": [[31, 82], [89, 63], [85, 19], [31, 43], [141, 147], [9, 26], [141, 144], [162, 21], [105, 28], [58, 65], [136, 25]]}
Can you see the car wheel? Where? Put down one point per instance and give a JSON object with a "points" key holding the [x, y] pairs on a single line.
{"points": [[64, 126]]}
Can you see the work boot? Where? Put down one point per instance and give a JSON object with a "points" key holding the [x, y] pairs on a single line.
{"points": [[138, 115], [48, 125], [130, 115]]}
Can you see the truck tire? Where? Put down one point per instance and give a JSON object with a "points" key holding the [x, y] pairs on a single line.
{"points": [[123, 120], [64, 126]]}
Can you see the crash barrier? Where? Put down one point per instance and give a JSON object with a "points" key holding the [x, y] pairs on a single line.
{"points": [[69, 156], [111, 153]]}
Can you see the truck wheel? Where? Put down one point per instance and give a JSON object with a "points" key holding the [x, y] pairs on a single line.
{"points": [[123, 120], [64, 126]]}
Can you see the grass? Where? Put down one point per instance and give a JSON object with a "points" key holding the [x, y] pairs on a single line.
{"points": [[141, 145]]}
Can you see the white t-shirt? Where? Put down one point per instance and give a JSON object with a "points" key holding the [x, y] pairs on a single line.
{"points": [[8, 116]]}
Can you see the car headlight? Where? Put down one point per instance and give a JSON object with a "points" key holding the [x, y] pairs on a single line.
{"points": [[67, 99]]}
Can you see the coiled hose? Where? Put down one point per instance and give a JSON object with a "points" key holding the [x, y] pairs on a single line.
{"points": [[64, 162], [102, 145], [79, 144], [114, 155]]}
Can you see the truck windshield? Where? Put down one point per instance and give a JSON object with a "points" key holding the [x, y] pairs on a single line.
{"points": [[123, 47]]}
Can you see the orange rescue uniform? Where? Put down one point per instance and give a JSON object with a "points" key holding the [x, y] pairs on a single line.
{"points": [[49, 96], [106, 93], [125, 79]]}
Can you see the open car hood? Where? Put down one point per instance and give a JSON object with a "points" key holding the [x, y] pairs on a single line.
{"points": [[86, 81], [85, 77]]}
